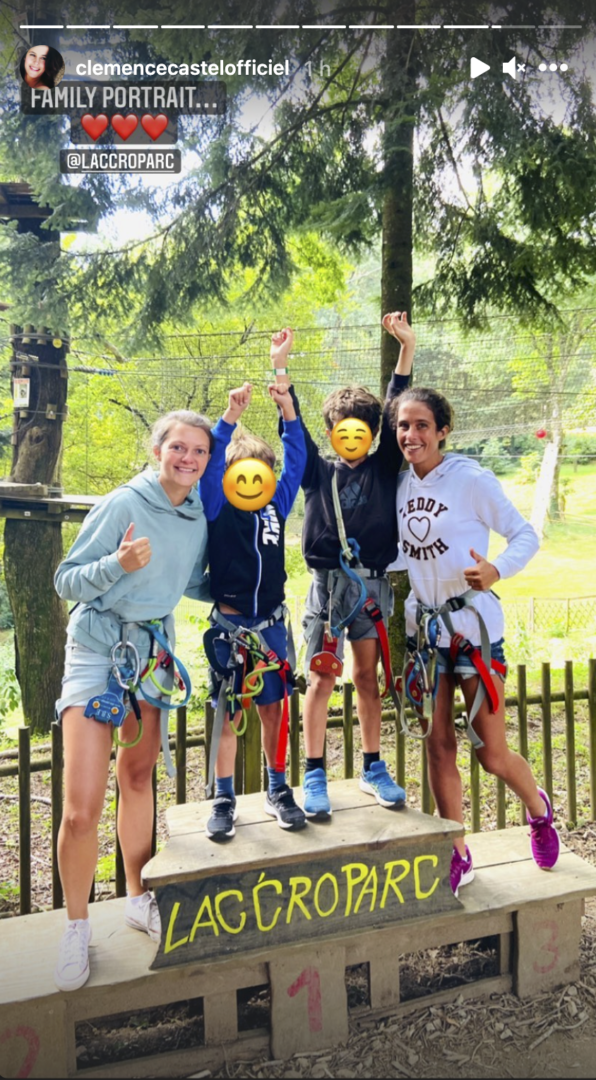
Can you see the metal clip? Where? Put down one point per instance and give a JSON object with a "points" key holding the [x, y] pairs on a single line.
{"points": [[119, 662]]}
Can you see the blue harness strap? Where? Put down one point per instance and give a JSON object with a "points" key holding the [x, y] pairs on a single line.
{"points": [[110, 705]]}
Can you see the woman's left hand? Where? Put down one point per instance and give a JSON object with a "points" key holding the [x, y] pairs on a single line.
{"points": [[482, 576]]}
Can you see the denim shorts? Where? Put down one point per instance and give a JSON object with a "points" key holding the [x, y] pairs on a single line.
{"points": [[345, 597], [85, 671], [276, 637], [462, 665]]}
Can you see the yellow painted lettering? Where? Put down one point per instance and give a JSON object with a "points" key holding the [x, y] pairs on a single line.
{"points": [[335, 888], [219, 899], [300, 887], [370, 886], [262, 884], [433, 859], [169, 947], [355, 873], [392, 882], [209, 919]]}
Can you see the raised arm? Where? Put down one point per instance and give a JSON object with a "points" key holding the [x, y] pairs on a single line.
{"points": [[294, 450], [281, 347], [210, 484], [396, 324]]}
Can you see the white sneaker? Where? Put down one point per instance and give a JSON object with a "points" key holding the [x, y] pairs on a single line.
{"points": [[142, 913], [72, 969]]}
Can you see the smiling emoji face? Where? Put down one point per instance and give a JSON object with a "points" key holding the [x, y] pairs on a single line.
{"points": [[351, 438], [249, 484]]}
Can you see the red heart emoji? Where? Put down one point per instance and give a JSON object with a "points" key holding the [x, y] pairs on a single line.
{"points": [[94, 125], [124, 125], [154, 125]]}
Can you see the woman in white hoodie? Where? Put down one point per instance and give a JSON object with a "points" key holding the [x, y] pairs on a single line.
{"points": [[447, 505]]}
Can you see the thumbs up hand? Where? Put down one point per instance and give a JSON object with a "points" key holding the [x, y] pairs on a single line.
{"points": [[483, 575], [133, 554]]}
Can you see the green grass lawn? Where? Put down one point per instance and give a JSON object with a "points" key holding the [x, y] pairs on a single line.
{"points": [[566, 563]]}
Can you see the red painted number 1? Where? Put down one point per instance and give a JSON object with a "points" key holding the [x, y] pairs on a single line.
{"points": [[310, 978]]}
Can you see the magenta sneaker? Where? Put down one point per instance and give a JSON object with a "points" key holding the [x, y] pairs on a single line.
{"points": [[544, 838], [462, 870]]}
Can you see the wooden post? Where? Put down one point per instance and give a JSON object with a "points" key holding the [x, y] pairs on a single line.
{"points": [[400, 754], [547, 735], [522, 723], [348, 721], [570, 742], [592, 723], [57, 776], [428, 805], [154, 830], [295, 738], [254, 753], [209, 717], [501, 804], [239, 766], [181, 754], [25, 820], [120, 876], [475, 789]]}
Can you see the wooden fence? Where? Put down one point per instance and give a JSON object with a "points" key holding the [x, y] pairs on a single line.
{"points": [[250, 774]]}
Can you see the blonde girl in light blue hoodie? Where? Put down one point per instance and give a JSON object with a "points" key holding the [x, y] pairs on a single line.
{"points": [[140, 549]]}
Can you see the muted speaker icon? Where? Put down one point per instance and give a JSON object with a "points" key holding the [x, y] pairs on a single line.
{"points": [[512, 67]]}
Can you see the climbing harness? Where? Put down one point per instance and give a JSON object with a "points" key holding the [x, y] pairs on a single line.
{"points": [[250, 659], [109, 705], [420, 677]]}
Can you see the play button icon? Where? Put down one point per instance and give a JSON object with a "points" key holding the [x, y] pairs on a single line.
{"points": [[478, 67]]}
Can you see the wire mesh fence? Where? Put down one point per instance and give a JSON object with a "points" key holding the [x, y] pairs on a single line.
{"points": [[505, 383]]}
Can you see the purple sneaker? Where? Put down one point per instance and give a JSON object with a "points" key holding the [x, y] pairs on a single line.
{"points": [[544, 838], [462, 870]]}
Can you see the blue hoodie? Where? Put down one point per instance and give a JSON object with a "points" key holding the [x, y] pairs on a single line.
{"points": [[105, 594]]}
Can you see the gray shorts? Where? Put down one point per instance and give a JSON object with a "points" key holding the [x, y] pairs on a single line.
{"points": [[87, 673], [345, 596]]}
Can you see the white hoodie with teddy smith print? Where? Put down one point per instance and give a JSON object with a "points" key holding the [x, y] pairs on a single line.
{"points": [[441, 517]]}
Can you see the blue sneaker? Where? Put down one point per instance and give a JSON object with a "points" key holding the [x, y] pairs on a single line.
{"points": [[315, 801], [378, 782]]}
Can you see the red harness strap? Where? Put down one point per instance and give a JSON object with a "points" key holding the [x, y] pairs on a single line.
{"points": [[373, 610], [458, 641]]}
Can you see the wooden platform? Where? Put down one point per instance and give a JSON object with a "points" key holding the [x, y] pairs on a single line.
{"points": [[535, 917], [33, 502], [366, 867]]}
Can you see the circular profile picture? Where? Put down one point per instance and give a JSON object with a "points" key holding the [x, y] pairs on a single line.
{"points": [[41, 65]]}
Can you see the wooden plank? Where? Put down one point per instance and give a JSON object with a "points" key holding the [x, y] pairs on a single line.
{"points": [[259, 844], [22, 491], [547, 937], [220, 1012], [250, 1046], [447, 929], [502, 846], [345, 795], [35, 1043], [309, 1008], [272, 902], [499, 984]]}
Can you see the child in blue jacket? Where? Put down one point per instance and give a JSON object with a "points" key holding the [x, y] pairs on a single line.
{"points": [[247, 577]]}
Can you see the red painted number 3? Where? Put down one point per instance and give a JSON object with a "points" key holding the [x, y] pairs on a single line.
{"points": [[549, 932], [310, 978], [32, 1039]]}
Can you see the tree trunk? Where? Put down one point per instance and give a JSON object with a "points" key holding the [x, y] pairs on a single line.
{"points": [[33, 549], [399, 85]]}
